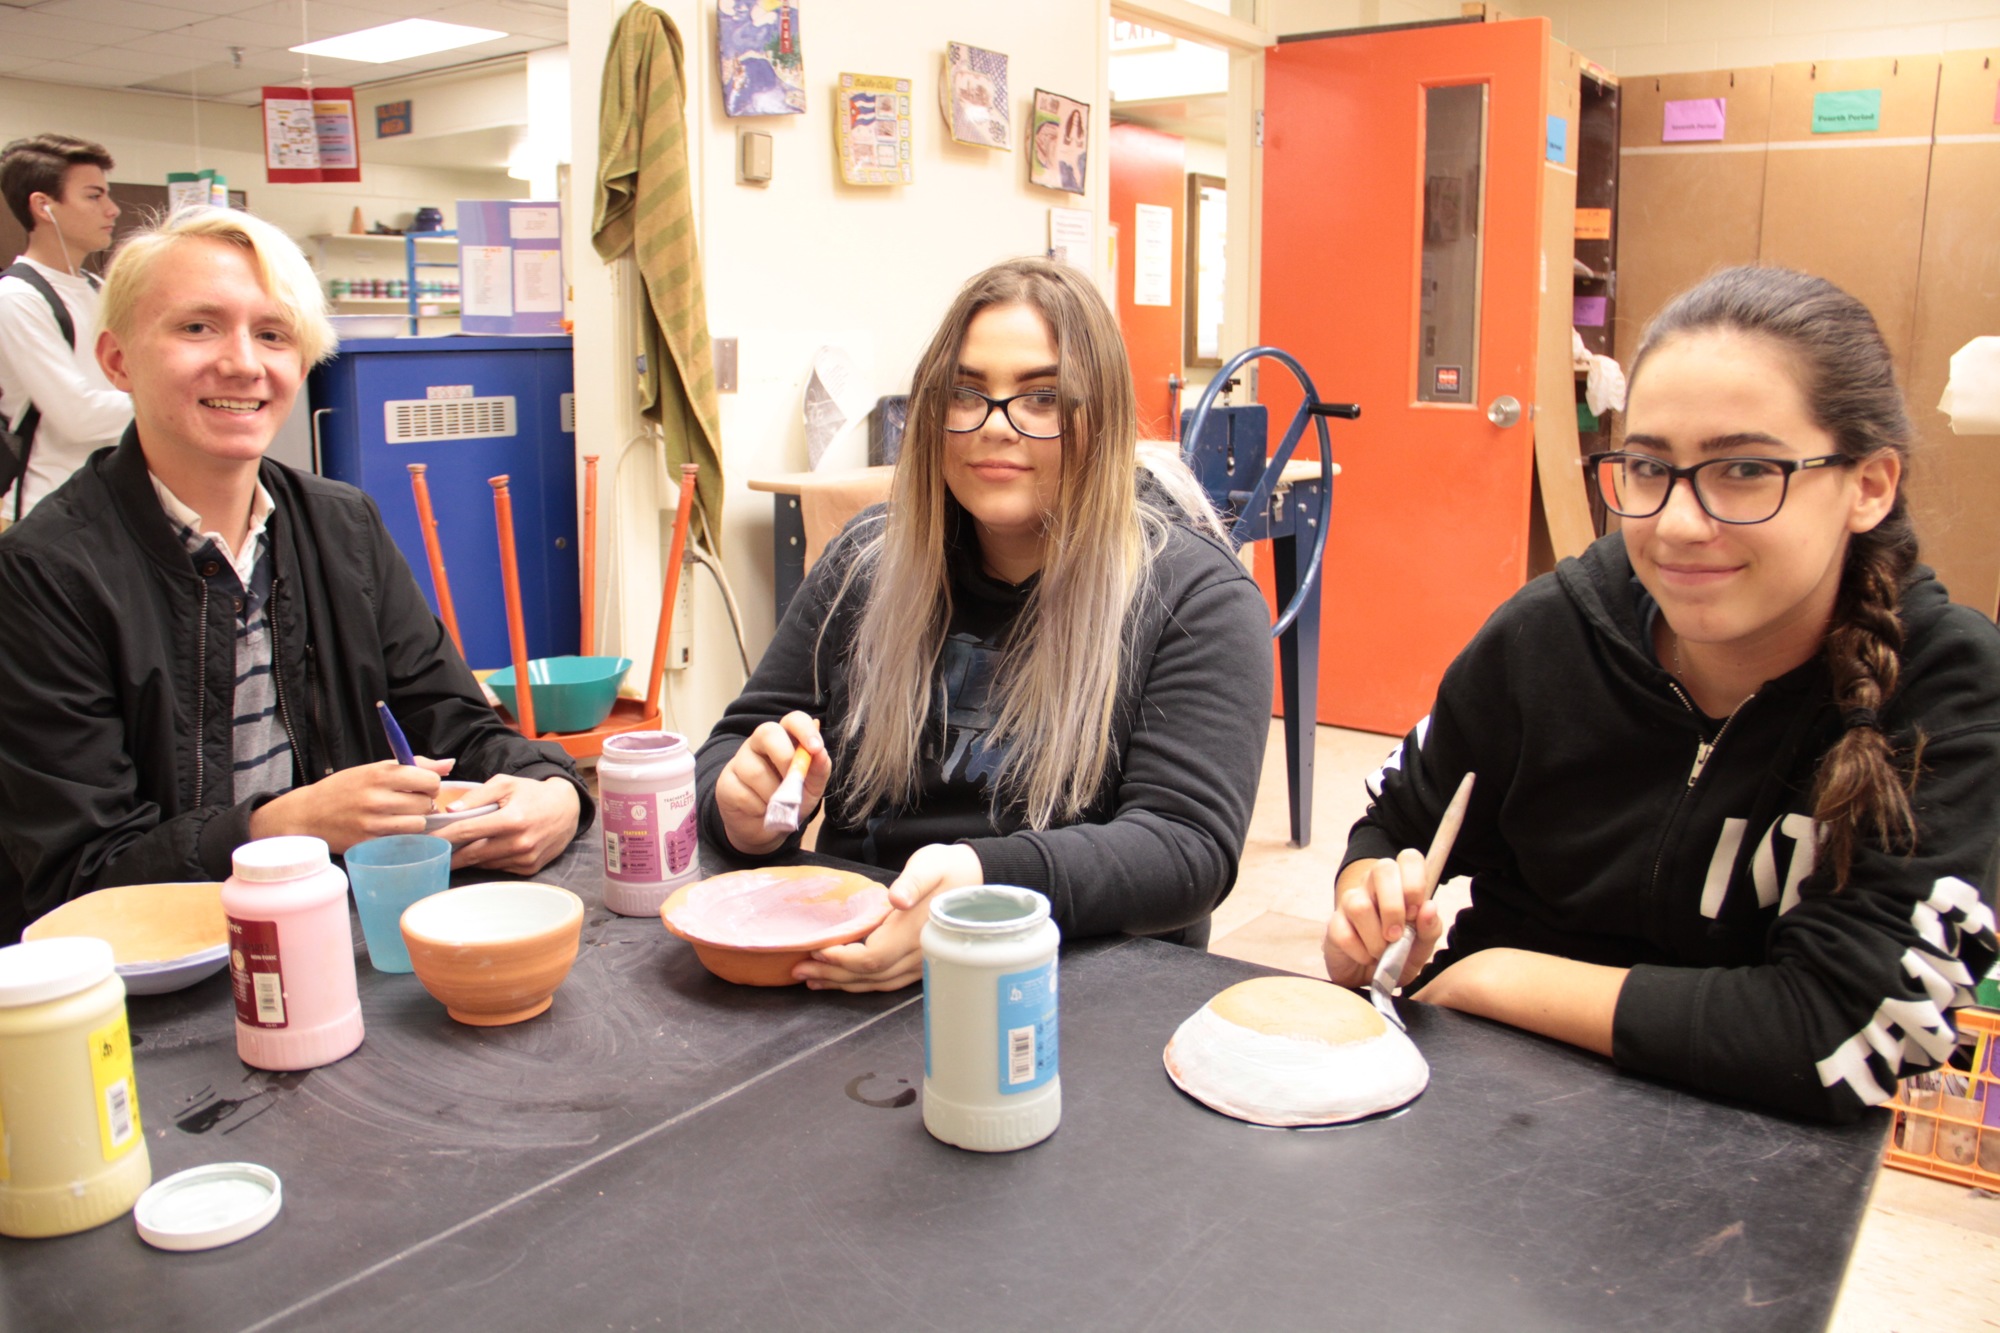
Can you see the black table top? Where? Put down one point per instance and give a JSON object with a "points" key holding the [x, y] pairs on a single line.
{"points": [[665, 1149]]}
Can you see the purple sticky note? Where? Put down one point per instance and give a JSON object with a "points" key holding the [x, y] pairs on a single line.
{"points": [[1697, 120], [1589, 312]]}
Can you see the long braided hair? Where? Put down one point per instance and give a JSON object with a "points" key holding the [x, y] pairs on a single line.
{"points": [[1845, 373]]}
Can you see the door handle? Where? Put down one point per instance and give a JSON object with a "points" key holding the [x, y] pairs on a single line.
{"points": [[1504, 411], [318, 412]]}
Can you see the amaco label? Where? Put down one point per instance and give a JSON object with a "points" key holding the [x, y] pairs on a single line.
{"points": [[643, 832], [117, 1101], [256, 973], [1027, 1017]]}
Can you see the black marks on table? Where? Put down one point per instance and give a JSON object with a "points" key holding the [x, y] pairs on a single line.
{"points": [[894, 1101], [205, 1109]]}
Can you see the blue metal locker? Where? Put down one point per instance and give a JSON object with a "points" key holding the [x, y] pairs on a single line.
{"points": [[469, 409]]}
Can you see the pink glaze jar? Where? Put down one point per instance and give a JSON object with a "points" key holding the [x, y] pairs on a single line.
{"points": [[645, 783], [291, 955]]}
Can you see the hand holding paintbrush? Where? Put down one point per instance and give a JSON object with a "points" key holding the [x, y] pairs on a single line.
{"points": [[772, 783], [1382, 921]]}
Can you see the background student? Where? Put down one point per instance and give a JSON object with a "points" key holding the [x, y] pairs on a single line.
{"points": [[195, 636], [56, 188], [1739, 765], [1035, 667]]}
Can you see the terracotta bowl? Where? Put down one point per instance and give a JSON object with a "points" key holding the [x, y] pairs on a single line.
{"points": [[494, 953], [754, 926]]}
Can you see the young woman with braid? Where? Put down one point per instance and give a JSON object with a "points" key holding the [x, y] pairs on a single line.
{"points": [[1739, 764], [1038, 665]]}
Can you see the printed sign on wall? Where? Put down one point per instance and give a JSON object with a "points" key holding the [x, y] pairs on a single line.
{"points": [[1847, 112], [310, 135], [1696, 120]]}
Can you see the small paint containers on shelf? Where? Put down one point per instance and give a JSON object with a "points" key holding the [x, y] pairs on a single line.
{"points": [[990, 1069], [291, 955], [645, 783], [72, 1150]]}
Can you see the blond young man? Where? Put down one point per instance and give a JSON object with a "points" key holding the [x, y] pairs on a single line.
{"points": [[195, 635]]}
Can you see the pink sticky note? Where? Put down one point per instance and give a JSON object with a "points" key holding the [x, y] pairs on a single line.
{"points": [[1996, 106], [1589, 312], [1697, 120]]}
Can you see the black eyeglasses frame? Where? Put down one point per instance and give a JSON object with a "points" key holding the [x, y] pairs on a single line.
{"points": [[1786, 466], [1003, 406]]}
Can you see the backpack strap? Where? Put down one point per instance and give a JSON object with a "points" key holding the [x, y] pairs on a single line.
{"points": [[32, 418], [29, 274]]}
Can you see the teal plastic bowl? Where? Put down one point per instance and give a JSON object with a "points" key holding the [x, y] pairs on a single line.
{"points": [[571, 693]]}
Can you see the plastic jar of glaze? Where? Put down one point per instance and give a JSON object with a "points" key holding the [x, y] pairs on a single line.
{"points": [[645, 801], [990, 1077], [72, 1151], [291, 955]]}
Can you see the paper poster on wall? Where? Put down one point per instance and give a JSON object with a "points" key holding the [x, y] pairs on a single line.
{"points": [[1589, 312], [196, 189], [1593, 224], [1558, 145], [1069, 237], [1152, 255], [1696, 120], [310, 135], [973, 97], [537, 281], [486, 280], [763, 65], [1847, 112], [534, 223], [1059, 142], [871, 130]]}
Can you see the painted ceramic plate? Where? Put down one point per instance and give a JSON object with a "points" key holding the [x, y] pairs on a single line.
{"points": [[163, 937]]}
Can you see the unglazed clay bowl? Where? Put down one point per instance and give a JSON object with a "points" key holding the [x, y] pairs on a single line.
{"points": [[494, 953], [452, 789], [165, 937], [753, 927]]}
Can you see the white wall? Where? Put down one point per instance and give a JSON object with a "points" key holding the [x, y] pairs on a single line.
{"points": [[150, 136], [1633, 37], [808, 261]]}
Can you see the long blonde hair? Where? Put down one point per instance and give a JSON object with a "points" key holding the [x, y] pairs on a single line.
{"points": [[1058, 683]]}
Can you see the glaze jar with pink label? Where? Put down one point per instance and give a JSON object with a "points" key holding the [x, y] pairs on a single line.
{"points": [[291, 955], [646, 801]]}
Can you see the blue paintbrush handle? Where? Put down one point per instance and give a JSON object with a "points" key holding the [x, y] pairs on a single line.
{"points": [[397, 741]]}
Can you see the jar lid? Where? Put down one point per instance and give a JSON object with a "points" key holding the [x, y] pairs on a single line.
{"points": [[268, 860], [204, 1207], [989, 909], [646, 744], [50, 969]]}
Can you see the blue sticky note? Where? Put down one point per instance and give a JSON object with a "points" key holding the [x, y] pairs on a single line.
{"points": [[1847, 112], [1558, 139]]}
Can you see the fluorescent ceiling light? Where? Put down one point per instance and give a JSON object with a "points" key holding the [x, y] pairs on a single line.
{"points": [[402, 40]]}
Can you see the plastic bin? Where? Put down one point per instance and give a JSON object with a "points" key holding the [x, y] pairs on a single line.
{"points": [[1954, 1138]]}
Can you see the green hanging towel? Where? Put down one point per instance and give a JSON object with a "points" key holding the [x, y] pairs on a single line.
{"points": [[644, 205]]}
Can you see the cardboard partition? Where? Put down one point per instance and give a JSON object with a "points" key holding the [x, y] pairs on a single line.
{"points": [[1849, 206], [1954, 481], [1686, 207], [1565, 506]]}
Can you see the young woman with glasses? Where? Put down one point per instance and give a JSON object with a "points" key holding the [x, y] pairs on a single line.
{"points": [[1038, 665], [1739, 765]]}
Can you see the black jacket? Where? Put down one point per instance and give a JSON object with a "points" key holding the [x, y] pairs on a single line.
{"points": [[1158, 848], [117, 673], [1590, 837]]}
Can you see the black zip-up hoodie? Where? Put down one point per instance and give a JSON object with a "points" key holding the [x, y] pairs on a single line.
{"points": [[118, 668], [1601, 829]]}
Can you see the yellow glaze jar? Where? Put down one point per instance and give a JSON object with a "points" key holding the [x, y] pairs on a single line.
{"points": [[72, 1151]]}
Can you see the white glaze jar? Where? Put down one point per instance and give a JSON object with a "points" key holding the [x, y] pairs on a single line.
{"points": [[990, 1069], [645, 785], [72, 1151]]}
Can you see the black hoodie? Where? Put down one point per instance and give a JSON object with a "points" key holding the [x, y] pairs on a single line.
{"points": [[1592, 835]]}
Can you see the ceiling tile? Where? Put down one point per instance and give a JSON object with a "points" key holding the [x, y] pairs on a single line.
{"points": [[112, 15], [24, 46], [88, 76], [32, 23], [235, 31], [140, 61]]}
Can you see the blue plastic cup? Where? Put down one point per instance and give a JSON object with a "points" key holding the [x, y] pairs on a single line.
{"points": [[388, 874]]}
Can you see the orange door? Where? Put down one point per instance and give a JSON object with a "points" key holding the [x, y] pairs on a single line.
{"points": [[1149, 171], [1401, 265]]}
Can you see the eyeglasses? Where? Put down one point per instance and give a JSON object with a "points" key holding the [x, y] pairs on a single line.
{"points": [[1036, 414], [1729, 490]]}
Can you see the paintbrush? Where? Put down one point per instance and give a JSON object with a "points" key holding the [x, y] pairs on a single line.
{"points": [[1390, 969], [782, 814]]}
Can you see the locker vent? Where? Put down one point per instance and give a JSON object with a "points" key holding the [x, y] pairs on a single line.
{"points": [[409, 420], [568, 423]]}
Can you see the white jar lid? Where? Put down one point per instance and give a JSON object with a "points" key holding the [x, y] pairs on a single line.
{"points": [[268, 860], [50, 969], [204, 1207]]}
